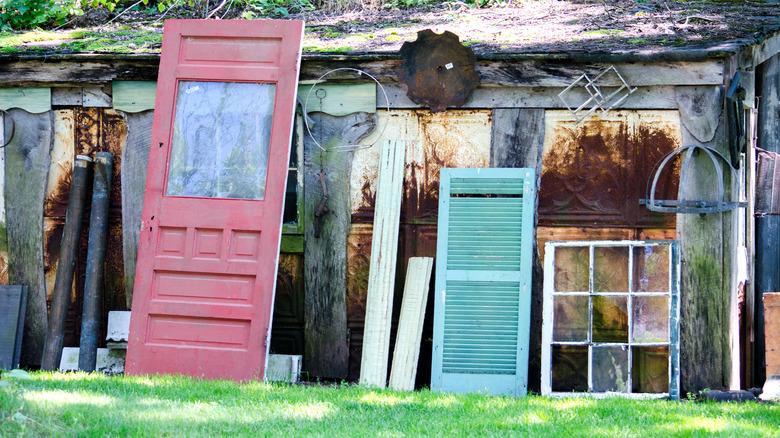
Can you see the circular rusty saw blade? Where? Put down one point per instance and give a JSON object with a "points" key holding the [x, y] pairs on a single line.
{"points": [[438, 70]]}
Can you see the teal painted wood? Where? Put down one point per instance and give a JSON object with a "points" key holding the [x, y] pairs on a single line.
{"points": [[482, 307]]}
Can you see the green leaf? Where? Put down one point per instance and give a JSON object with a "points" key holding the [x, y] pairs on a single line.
{"points": [[160, 7], [20, 417]]}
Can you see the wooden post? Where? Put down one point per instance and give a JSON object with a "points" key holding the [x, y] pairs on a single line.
{"points": [[325, 241], [517, 140], [381, 277], [135, 160], [63, 282], [705, 251], [410, 323], [26, 167], [96, 256]]}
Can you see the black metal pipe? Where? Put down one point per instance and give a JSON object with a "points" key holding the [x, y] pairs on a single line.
{"points": [[96, 256], [63, 282]]}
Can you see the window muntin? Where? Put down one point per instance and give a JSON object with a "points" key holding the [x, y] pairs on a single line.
{"points": [[611, 318]]}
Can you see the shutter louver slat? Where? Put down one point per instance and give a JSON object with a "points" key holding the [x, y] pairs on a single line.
{"points": [[482, 308]]}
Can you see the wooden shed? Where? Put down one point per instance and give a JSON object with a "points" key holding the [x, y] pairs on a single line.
{"points": [[591, 176]]}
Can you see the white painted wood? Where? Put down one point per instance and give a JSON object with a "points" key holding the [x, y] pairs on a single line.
{"points": [[381, 277], [283, 368], [3, 237], [118, 326], [410, 323], [109, 361], [547, 321]]}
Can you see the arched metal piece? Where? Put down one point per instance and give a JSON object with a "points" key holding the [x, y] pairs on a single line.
{"points": [[682, 204], [13, 129]]}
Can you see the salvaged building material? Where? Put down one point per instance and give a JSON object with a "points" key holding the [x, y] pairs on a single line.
{"points": [[410, 324], [26, 165], [135, 160], [384, 253], [326, 226], [96, 256], [483, 281], [611, 318], [61, 295], [214, 199], [13, 302]]}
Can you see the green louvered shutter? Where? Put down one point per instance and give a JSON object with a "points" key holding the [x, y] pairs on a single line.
{"points": [[483, 281]]}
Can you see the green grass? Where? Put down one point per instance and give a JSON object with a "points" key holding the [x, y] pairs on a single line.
{"points": [[118, 41], [57, 404]]}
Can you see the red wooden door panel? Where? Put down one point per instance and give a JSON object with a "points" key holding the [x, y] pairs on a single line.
{"points": [[212, 213]]}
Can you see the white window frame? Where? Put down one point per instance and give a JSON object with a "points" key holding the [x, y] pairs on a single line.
{"points": [[674, 317]]}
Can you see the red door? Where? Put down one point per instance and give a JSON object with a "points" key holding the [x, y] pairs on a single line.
{"points": [[212, 215]]}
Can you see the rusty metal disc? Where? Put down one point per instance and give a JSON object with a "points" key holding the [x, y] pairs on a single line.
{"points": [[438, 70]]}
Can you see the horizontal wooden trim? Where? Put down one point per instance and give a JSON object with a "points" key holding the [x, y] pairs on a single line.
{"points": [[134, 96], [339, 99], [31, 99], [542, 97]]}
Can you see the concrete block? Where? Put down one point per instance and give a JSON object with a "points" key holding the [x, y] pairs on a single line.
{"points": [[108, 361], [283, 368], [118, 326]]}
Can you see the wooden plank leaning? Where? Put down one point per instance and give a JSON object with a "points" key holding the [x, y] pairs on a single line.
{"points": [[410, 323], [381, 277]]}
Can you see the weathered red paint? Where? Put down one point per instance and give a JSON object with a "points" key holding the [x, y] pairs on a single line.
{"points": [[210, 316]]}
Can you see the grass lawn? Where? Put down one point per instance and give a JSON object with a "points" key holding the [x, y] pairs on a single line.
{"points": [[78, 404]]}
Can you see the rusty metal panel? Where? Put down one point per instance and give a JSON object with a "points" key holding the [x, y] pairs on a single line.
{"points": [[595, 172], [452, 139]]}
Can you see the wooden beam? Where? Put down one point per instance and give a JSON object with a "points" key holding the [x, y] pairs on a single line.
{"points": [[410, 323], [661, 97], [134, 96], [26, 166], [135, 160], [381, 277], [31, 99], [705, 251], [339, 99], [517, 140], [325, 241], [77, 71]]}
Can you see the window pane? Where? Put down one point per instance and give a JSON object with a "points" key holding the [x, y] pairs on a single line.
{"points": [[572, 269], [610, 319], [569, 368], [650, 319], [650, 370], [610, 369], [651, 269], [610, 269], [570, 321], [221, 134]]}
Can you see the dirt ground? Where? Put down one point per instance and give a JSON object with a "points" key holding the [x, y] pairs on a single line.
{"points": [[536, 26]]}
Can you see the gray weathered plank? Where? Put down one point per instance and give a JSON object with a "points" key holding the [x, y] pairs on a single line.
{"points": [[135, 160], [10, 307], [27, 166], [517, 140], [77, 72], [325, 251], [700, 108], [704, 281], [661, 97], [384, 253]]}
